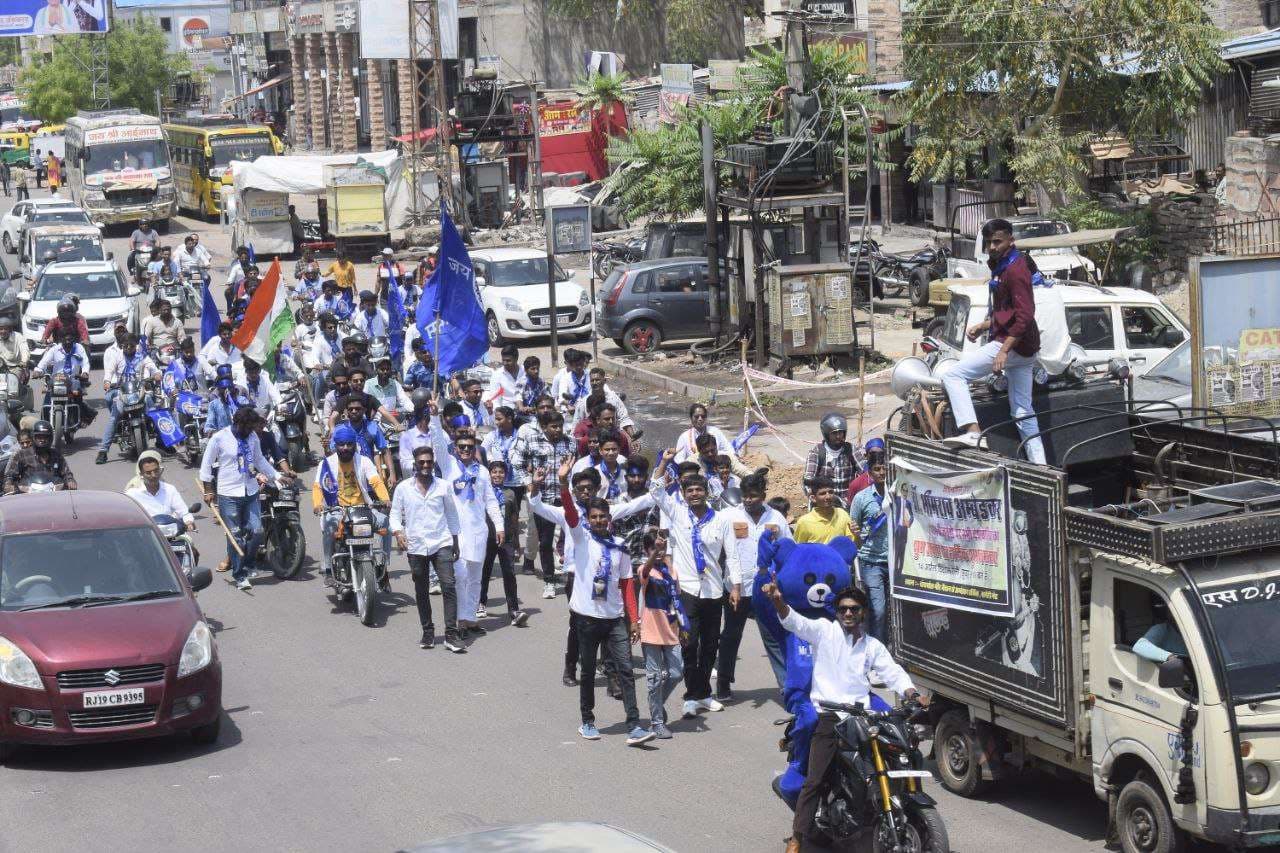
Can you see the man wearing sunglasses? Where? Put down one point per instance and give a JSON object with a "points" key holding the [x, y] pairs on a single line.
{"points": [[870, 524], [370, 439], [845, 662]]}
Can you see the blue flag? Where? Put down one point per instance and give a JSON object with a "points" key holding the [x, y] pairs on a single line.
{"points": [[395, 318], [190, 403], [449, 301], [741, 439], [328, 484], [253, 256], [209, 317], [167, 427]]}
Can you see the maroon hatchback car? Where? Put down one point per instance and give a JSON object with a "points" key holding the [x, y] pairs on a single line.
{"points": [[100, 634]]}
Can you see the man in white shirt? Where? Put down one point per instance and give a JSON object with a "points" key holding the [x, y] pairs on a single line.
{"points": [[132, 364], [162, 331], [571, 384], [219, 350], [845, 661], [262, 391], [697, 540], [371, 319], [192, 256], [235, 453], [747, 522], [155, 496], [596, 377], [474, 497], [507, 383], [424, 522]]}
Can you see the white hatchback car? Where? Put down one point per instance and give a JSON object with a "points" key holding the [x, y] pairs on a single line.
{"points": [[1105, 322], [105, 299], [52, 210], [513, 291]]}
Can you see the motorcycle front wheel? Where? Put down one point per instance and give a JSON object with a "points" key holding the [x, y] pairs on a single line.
{"points": [[288, 549], [297, 456], [924, 833], [139, 440], [366, 584], [56, 418]]}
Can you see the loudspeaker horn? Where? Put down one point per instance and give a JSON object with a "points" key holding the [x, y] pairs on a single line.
{"points": [[910, 372]]}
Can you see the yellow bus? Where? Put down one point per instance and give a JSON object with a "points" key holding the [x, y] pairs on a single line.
{"points": [[202, 150]]}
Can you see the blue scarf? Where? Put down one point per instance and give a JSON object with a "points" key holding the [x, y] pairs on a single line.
{"points": [[68, 361], [466, 484], [503, 446], [1037, 279], [668, 598], [879, 520], [600, 583], [131, 364], [532, 391], [500, 496], [611, 479], [243, 453], [580, 386], [699, 559]]}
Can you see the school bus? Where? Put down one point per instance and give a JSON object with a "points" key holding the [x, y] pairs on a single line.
{"points": [[203, 149]]}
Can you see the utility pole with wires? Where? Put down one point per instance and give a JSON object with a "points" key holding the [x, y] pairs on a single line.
{"points": [[424, 43]]}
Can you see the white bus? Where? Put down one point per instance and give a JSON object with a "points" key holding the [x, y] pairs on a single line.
{"points": [[117, 167]]}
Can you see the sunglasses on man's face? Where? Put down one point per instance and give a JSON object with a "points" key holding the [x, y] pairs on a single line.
{"points": [[466, 448], [849, 608]]}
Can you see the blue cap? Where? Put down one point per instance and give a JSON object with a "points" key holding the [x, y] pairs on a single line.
{"points": [[225, 382], [875, 444], [344, 434], [458, 421]]}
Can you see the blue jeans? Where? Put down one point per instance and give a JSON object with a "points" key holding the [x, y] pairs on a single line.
{"points": [[875, 578], [777, 657], [114, 412], [243, 516]]}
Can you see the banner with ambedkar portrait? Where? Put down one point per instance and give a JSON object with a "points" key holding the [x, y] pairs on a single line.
{"points": [[949, 537]]}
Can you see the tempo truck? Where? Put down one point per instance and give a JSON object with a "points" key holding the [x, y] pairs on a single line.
{"points": [[1139, 527], [117, 167]]}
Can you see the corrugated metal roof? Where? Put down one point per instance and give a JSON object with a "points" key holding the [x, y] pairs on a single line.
{"points": [[1254, 45]]}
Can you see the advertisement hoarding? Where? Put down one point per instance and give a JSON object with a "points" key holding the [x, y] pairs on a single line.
{"points": [[124, 133], [390, 38], [192, 32], [51, 18]]}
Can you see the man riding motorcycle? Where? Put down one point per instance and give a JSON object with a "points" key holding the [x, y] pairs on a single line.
{"points": [[68, 316], [162, 331], [332, 301], [370, 319], [40, 459], [347, 478], [367, 434], [70, 358], [14, 357], [132, 364]]}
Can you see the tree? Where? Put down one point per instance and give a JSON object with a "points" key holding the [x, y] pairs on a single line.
{"points": [[691, 26], [137, 65], [1035, 80], [598, 93]]}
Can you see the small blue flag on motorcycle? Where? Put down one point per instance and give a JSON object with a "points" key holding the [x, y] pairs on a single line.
{"points": [[189, 403], [209, 317], [328, 484], [167, 427]]}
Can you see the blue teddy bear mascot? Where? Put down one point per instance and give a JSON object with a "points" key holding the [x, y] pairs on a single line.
{"points": [[809, 576]]}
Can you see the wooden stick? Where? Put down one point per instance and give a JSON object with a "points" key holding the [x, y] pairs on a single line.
{"points": [[746, 393], [217, 516], [862, 394]]}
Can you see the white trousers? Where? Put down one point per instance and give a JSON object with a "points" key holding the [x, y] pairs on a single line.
{"points": [[467, 576], [1018, 370]]}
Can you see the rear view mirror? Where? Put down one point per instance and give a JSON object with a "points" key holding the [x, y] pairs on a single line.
{"points": [[1172, 337], [200, 578], [1173, 673], [195, 507], [134, 290]]}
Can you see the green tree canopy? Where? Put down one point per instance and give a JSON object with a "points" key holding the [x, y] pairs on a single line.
{"points": [[1036, 79], [138, 63]]}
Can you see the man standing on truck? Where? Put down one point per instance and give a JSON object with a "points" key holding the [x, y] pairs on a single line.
{"points": [[845, 661], [1013, 342]]}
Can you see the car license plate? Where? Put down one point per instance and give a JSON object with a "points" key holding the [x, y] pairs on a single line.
{"points": [[115, 698]]}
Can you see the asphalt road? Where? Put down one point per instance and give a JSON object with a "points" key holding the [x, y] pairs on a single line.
{"points": [[340, 737]]}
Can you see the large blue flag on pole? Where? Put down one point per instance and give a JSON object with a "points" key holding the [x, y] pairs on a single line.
{"points": [[450, 305], [395, 315], [209, 317]]}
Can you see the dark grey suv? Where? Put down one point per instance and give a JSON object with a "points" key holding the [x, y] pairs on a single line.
{"points": [[643, 304]]}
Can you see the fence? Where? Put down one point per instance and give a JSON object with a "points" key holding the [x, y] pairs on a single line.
{"points": [[1248, 237]]}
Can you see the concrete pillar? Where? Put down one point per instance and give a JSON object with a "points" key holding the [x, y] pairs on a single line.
{"points": [[377, 110], [349, 118], [404, 73], [331, 103], [301, 111], [315, 89]]}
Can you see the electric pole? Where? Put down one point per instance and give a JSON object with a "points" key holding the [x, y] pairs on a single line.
{"points": [[424, 25]]}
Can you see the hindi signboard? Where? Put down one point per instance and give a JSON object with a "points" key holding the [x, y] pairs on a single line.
{"points": [[949, 535]]}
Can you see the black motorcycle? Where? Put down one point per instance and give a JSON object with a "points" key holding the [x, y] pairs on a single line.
{"points": [[891, 274], [291, 421], [132, 429], [607, 254], [284, 546], [359, 563], [64, 411], [874, 784]]}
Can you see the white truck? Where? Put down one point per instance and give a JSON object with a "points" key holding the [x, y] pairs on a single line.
{"points": [[1164, 529], [117, 167]]}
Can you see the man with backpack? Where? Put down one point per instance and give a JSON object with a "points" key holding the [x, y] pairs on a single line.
{"points": [[833, 458]]}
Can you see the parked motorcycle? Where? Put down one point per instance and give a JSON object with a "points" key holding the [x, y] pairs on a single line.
{"points": [[291, 422], [131, 429], [359, 564], [874, 783], [284, 546], [175, 533], [607, 254], [63, 411], [891, 274]]}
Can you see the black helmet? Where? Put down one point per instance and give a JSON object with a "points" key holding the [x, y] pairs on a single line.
{"points": [[421, 398], [731, 496], [42, 428], [833, 422], [360, 339]]}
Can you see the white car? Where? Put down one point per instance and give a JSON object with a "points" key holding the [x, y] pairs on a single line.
{"points": [[513, 291], [970, 260], [105, 299], [24, 212], [1105, 322]]}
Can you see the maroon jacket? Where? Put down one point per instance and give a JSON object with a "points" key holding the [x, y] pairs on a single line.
{"points": [[1013, 308]]}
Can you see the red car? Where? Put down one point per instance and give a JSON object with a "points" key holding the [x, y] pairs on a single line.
{"points": [[100, 634]]}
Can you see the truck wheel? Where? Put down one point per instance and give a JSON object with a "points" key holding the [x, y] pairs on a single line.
{"points": [[1144, 822], [957, 752], [918, 287]]}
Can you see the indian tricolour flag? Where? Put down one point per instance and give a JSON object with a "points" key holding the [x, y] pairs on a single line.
{"points": [[267, 321]]}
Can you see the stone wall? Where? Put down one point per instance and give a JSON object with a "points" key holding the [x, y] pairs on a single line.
{"points": [[1183, 229], [1252, 182]]}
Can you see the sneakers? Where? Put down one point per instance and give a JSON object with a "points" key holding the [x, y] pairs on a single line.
{"points": [[454, 645], [639, 735], [244, 585], [690, 709], [966, 440], [476, 631], [569, 679], [435, 588], [428, 640], [482, 612], [588, 732], [709, 704], [519, 618], [548, 590], [102, 458], [660, 731]]}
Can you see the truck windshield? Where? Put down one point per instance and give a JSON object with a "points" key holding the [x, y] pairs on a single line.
{"points": [[119, 156], [1243, 617]]}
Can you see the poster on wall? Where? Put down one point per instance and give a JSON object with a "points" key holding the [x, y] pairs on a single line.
{"points": [[192, 32], [388, 33], [949, 537], [562, 118], [52, 17], [676, 91]]}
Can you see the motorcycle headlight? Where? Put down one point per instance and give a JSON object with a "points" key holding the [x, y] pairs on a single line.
{"points": [[197, 652], [1257, 778], [169, 530], [359, 530], [510, 305], [16, 668], [583, 300]]}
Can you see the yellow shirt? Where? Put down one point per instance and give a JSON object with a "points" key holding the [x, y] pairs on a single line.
{"points": [[349, 488], [343, 276], [812, 527]]}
